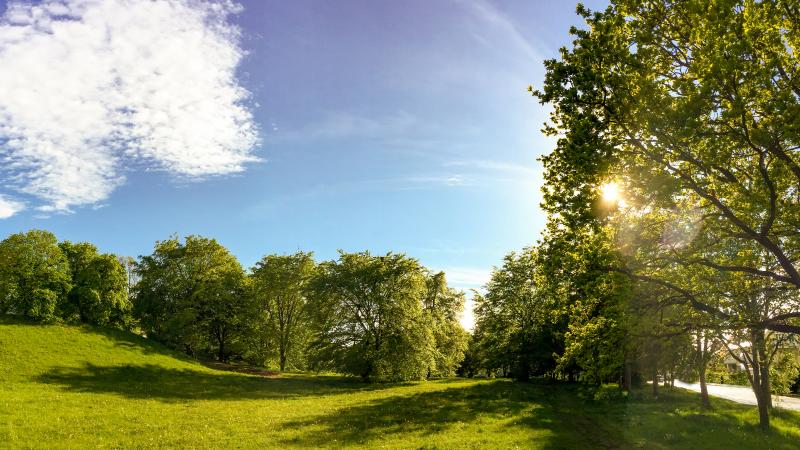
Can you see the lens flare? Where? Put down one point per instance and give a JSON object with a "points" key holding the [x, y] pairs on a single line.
{"points": [[611, 192]]}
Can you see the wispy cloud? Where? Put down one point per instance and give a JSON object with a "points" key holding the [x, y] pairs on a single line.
{"points": [[9, 207], [467, 277], [91, 89], [348, 125], [496, 19], [485, 165]]}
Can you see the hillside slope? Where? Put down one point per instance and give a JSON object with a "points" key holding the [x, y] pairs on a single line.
{"points": [[80, 387]]}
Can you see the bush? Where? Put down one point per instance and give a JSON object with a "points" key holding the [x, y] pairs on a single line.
{"points": [[785, 372], [608, 392]]}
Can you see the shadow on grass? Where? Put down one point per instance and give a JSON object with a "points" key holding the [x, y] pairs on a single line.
{"points": [[172, 384], [497, 403], [565, 416]]}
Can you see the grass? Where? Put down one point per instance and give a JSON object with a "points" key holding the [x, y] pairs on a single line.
{"points": [[77, 387]]}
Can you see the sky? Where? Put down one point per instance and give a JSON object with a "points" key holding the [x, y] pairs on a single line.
{"points": [[276, 126]]}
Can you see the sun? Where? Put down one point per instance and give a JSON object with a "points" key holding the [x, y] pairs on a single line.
{"points": [[611, 192]]}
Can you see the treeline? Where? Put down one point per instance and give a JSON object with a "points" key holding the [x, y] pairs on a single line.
{"points": [[545, 315], [383, 318]]}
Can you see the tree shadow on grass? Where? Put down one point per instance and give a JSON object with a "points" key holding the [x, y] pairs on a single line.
{"points": [[173, 385], [499, 403], [565, 416]]}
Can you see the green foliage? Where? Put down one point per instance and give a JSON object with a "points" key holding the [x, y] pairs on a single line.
{"points": [[369, 318], [192, 297], [608, 392], [589, 299], [514, 327], [472, 364], [279, 287], [99, 293], [785, 371], [691, 107], [34, 275], [442, 307]]}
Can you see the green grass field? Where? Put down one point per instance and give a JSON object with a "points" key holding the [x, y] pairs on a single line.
{"points": [[76, 387]]}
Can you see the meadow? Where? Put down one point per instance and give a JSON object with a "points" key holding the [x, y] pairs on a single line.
{"points": [[78, 387]]}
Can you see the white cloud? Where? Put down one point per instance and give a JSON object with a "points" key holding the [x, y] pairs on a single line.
{"points": [[90, 89], [9, 207]]}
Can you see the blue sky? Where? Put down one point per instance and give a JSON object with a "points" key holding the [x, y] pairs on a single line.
{"points": [[354, 125]]}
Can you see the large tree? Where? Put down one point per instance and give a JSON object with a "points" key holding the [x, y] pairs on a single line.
{"points": [[443, 306], [99, 293], [368, 315], [693, 109], [514, 326], [279, 286], [192, 296], [34, 275], [585, 298], [692, 102]]}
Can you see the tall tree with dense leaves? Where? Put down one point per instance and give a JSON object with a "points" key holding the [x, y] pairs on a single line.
{"points": [[192, 296], [34, 275], [694, 100], [514, 329], [279, 286], [369, 318], [689, 103], [99, 293], [585, 298], [442, 308]]}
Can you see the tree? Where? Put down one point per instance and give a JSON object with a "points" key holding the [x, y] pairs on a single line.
{"points": [[279, 285], [688, 101], [368, 317], [99, 293], [192, 297], [34, 275], [587, 300], [514, 326], [692, 107], [442, 307]]}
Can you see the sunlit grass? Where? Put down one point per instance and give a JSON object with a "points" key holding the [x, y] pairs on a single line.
{"points": [[78, 387]]}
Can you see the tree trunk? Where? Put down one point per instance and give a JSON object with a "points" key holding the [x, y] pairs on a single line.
{"points": [[702, 364], [221, 342], [766, 384], [763, 409], [626, 377], [704, 400], [655, 382], [759, 378], [282, 355]]}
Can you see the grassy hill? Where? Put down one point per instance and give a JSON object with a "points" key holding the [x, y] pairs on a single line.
{"points": [[75, 387]]}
